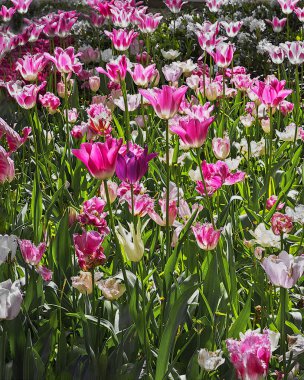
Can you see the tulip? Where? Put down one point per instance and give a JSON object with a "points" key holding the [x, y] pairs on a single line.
{"points": [[133, 102], [210, 361], [8, 244], [7, 13], [44, 272], [214, 5], [50, 101], [111, 288], [250, 355], [21, 6], [10, 300], [89, 250], [99, 158], [100, 118], [297, 215], [192, 132], [66, 61], [94, 83], [281, 223], [121, 17], [116, 70], [141, 75], [283, 270], [223, 54], [288, 6], [121, 38], [276, 54], [83, 282], [294, 52], [206, 236], [221, 147], [14, 140], [272, 92], [112, 189], [300, 13], [265, 238], [7, 167], [131, 242], [165, 101], [175, 6], [148, 23], [232, 28], [31, 254], [30, 66], [277, 24], [26, 96], [92, 213], [271, 201]]}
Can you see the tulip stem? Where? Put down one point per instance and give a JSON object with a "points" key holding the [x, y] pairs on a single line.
{"points": [[283, 333], [168, 243], [126, 113], [93, 291], [115, 237]]}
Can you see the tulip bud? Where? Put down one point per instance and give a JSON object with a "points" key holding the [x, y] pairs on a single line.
{"points": [[211, 92], [112, 189], [265, 123], [94, 83], [221, 147], [72, 216]]}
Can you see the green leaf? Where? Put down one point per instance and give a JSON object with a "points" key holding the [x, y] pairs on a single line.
{"points": [[239, 325]]}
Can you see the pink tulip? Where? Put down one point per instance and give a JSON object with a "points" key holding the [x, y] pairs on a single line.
{"points": [[50, 102], [161, 221], [121, 38], [148, 23], [30, 66], [14, 140], [92, 213], [89, 250], [141, 75], [294, 51], [281, 223], [172, 72], [286, 107], [65, 60], [44, 272], [97, 20], [277, 24], [208, 40], [112, 189], [288, 6], [89, 55], [26, 97], [283, 270], [271, 92], [221, 147], [175, 6], [223, 54], [206, 236], [300, 13], [7, 13], [100, 118], [214, 5], [192, 132], [165, 101], [241, 81], [7, 168], [250, 355], [271, 201], [22, 6], [31, 253], [116, 70], [232, 28], [99, 158], [121, 17], [94, 83], [276, 54]]}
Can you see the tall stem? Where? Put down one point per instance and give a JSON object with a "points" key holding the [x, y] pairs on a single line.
{"points": [[283, 293], [168, 242], [126, 113]]}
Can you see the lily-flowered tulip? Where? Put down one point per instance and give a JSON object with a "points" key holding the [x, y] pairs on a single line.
{"points": [[132, 163], [288, 6], [131, 242], [133, 102], [277, 24], [7, 13], [141, 75], [281, 223], [89, 250], [121, 38], [223, 54], [10, 299], [26, 96], [121, 17], [265, 238], [271, 92], [276, 54], [192, 132], [165, 101], [294, 51], [175, 6], [116, 71], [7, 167], [31, 253], [30, 66], [22, 6], [13, 139], [210, 361], [215, 5], [111, 288], [8, 245], [300, 13], [250, 355], [232, 28], [148, 23], [66, 61], [206, 236], [221, 147], [99, 158], [283, 270]]}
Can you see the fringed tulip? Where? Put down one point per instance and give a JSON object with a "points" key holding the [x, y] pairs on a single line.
{"points": [[89, 250]]}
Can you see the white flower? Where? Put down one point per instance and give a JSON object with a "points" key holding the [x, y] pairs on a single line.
{"points": [[10, 299], [289, 133], [8, 243], [297, 214], [106, 55], [187, 66], [265, 238], [132, 100], [170, 54], [210, 361], [83, 282], [131, 242], [111, 288], [233, 163]]}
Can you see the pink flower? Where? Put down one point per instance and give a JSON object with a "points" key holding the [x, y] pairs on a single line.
{"points": [[7, 168], [288, 6], [216, 175], [294, 52], [300, 13], [277, 24], [175, 6], [14, 140], [148, 23], [250, 355], [30, 66], [112, 189], [223, 54], [241, 81], [65, 60], [172, 72], [22, 6], [214, 5], [283, 270], [92, 213], [50, 101], [94, 83], [281, 223], [116, 70], [192, 132], [286, 107], [99, 158], [89, 55], [121, 17], [89, 250], [271, 201], [206, 236], [44, 272], [72, 115], [165, 101], [141, 75], [271, 92], [7, 13], [232, 28], [26, 97], [276, 54], [221, 147], [161, 221], [100, 118], [31, 254], [121, 38]]}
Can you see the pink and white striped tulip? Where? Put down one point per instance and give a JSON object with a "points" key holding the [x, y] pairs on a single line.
{"points": [[121, 38], [206, 236], [277, 24], [30, 66]]}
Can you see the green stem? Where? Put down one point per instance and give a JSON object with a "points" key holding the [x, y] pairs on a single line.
{"points": [[283, 293], [168, 242], [126, 113]]}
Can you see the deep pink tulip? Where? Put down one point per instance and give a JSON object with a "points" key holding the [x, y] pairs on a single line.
{"points": [[232, 28], [271, 201], [121, 17], [26, 96], [66, 61], [288, 6], [7, 13], [148, 23], [22, 6], [30, 66], [209, 40], [271, 92], [31, 253], [89, 250], [281, 223], [141, 75], [283, 270], [277, 24], [286, 107], [161, 221], [99, 158], [132, 163], [121, 38], [92, 213], [175, 6], [223, 54], [192, 132], [14, 140], [115, 71], [50, 102], [7, 168], [250, 355], [44, 272], [165, 101], [206, 236]]}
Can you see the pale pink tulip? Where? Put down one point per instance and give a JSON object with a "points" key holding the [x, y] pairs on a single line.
{"points": [[50, 102], [221, 147]]}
